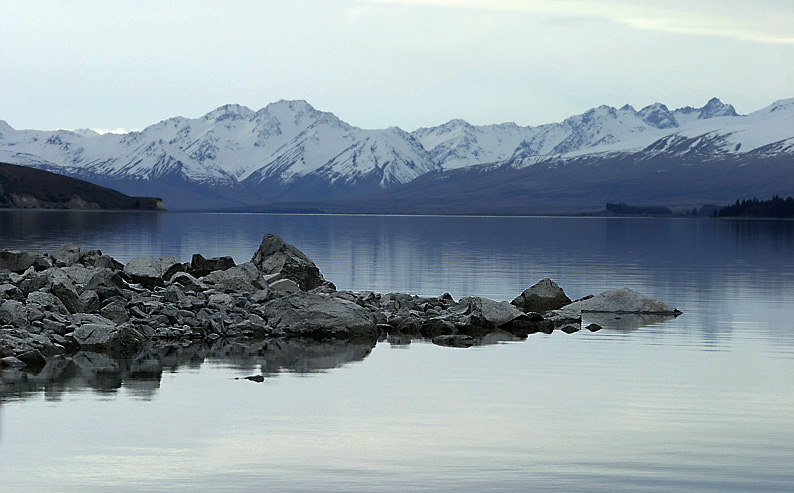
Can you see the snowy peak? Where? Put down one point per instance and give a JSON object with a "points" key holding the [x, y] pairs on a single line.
{"points": [[228, 112], [716, 108], [295, 112], [780, 107], [658, 115], [5, 128]]}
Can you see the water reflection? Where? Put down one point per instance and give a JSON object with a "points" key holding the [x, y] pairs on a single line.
{"points": [[624, 322], [141, 375]]}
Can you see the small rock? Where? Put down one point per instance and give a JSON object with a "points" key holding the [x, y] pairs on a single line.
{"points": [[116, 312], [284, 286], [14, 313], [11, 292], [90, 301], [11, 362]]}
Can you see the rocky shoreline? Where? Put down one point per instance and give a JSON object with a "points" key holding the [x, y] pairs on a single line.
{"points": [[73, 300]]}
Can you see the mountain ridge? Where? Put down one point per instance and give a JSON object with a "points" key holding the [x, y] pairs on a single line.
{"points": [[288, 151]]}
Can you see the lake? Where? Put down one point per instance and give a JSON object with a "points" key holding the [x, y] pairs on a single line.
{"points": [[703, 402]]}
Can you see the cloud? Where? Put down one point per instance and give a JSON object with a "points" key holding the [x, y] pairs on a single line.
{"points": [[752, 22]]}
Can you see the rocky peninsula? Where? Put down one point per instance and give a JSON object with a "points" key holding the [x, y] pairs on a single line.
{"points": [[73, 300]]}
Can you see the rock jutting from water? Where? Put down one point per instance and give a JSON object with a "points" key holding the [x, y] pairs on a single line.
{"points": [[81, 300]]}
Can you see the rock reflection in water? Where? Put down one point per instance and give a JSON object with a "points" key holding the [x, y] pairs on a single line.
{"points": [[624, 322], [141, 375]]}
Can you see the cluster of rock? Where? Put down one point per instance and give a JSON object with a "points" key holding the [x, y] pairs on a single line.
{"points": [[70, 300]]}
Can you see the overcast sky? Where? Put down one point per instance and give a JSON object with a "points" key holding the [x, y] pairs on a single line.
{"points": [[378, 63]]}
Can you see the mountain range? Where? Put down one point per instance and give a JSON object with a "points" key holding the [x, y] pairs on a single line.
{"points": [[290, 154]]}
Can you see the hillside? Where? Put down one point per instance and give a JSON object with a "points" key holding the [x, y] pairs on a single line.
{"points": [[22, 187]]}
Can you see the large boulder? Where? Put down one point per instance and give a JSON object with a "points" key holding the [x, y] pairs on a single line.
{"points": [[284, 261], [63, 287], [106, 282], [11, 292], [13, 313], [188, 282], [66, 255], [243, 278], [108, 337], [46, 302], [16, 261], [545, 295], [477, 316], [200, 266], [622, 301], [151, 272], [321, 316]]}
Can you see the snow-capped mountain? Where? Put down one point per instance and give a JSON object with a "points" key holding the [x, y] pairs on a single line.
{"points": [[458, 144], [288, 151], [274, 149]]}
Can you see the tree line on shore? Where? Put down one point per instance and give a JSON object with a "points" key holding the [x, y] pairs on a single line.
{"points": [[777, 207]]}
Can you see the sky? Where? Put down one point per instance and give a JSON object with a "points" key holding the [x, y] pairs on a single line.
{"points": [[111, 65]]}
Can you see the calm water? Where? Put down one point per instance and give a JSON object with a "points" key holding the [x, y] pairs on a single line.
{"points": [[704, 402]]}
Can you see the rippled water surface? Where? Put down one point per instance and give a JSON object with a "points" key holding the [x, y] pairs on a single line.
{"points": [[704, 402]]}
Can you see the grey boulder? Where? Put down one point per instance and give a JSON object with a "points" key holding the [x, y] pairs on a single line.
{"points": [[119, 339], [13, 313], [312, 314], [66, 255], [63, 287], [274, 257], [545, 295], [150, 272], [243, 278], [622, 301], [476, 315], [16, 261]]}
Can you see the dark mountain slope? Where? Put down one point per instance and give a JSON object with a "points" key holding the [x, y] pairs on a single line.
{"points": [[581, 184], [22, 187]]}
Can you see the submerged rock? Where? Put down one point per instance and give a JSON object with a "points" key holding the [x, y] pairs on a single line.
{"points": [[622, 301]]}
